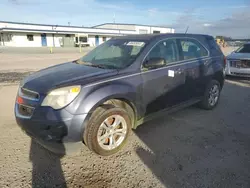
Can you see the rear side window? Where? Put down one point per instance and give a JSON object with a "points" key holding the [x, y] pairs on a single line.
{"points": [[191, 49]]}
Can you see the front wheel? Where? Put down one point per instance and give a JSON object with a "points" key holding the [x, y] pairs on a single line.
{"points": [[211, 96], [107, 130]]}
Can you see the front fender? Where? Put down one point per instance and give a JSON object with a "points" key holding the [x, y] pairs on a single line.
{"points": [[98, 96]]}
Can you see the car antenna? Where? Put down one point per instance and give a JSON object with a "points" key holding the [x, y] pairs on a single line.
{"points": [[185, 34], [187, 30]]}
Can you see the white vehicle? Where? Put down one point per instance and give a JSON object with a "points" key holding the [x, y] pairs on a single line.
{"points": [[238, 62], [81, 39]]}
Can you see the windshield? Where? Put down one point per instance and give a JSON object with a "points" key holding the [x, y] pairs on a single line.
{"points": [[113, 54], [244, 49]]}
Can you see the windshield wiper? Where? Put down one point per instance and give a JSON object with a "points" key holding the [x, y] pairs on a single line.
{"points": [[98, 66], [102, 66]]}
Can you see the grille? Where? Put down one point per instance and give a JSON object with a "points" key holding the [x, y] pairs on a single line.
{"points": [[29, 94], [240, 63], [245, 64], [241, 74]]}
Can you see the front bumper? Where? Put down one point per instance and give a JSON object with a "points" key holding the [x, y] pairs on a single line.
{"points": [[233, 71], [57, 130]]}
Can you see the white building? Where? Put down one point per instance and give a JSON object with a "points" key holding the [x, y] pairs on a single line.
{"points": [[139, 29], [37, 35]]}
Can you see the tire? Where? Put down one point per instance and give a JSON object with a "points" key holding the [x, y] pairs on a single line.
{"points": [[206, 102], [100, 137]]}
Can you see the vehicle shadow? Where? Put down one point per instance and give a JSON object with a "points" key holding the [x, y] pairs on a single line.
{"points": [[198, 148], [46, 167], [243, 80]]}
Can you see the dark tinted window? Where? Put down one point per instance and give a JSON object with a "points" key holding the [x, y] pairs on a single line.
{"points": [[244, 49], [192, 49], [30, 37], [83, 39], [213, 46], [166, 49], [156, 32]]}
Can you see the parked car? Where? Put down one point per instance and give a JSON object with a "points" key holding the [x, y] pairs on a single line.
{"points": [[238, 62], [98, 99]]}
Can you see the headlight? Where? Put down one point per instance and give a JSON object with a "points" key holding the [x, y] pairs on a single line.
{"points": [[61, 97]]}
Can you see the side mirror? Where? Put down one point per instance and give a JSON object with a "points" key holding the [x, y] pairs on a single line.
{"points": [[154, 63]]}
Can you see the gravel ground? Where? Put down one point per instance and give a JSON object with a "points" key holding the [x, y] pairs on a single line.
{"points": [[189, 148], [13, 77]]}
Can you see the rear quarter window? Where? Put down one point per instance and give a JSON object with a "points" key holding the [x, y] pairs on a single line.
{"points": [[213, 46]]}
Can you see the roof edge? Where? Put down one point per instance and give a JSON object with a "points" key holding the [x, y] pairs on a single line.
{"points": [[55, 25], [132, 25]]}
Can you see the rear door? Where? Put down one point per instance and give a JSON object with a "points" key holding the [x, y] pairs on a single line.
{"points": [[163, 87], [195, 57]]}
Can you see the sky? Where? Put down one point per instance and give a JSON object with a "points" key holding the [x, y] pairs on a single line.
{"points": [[228, 18]]}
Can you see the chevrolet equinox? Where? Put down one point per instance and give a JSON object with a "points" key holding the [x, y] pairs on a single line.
{"points": [[98, 99]]}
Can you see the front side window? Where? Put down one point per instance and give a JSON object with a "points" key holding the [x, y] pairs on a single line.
{"points": [[166, 50], [192, 49], [115, 53], [244, 49]]}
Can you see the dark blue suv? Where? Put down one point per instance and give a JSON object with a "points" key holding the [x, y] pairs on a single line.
{"points": [[97, 99]]}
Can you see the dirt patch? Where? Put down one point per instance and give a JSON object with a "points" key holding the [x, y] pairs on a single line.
{"points": [[13, 77]]}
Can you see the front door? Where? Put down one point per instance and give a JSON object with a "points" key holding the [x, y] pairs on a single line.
{"points": [[96, 40], [44, 39], [163, 87]]}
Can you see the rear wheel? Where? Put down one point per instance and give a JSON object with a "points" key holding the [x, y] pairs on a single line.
{"points": [[107, 130], [211, 96]]}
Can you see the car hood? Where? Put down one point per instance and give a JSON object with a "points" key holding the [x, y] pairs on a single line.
{"points": [[64, 75], [239, 56]]}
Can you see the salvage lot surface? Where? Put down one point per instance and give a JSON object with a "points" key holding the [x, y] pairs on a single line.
{"points": [[189, 148]]}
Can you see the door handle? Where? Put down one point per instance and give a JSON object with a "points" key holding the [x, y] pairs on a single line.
{"points": [[179, 71]]}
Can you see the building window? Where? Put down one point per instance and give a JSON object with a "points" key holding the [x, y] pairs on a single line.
{"points": [[104, 39], [156, 32], [83, 39], [30, 37]]}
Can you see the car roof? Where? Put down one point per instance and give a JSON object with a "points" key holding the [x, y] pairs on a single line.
{"points": [[149, 37]]}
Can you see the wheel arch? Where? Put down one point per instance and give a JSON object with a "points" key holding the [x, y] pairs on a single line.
{"points": [[118, 101], [219, 76]]}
